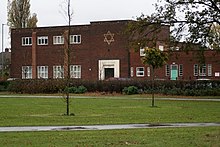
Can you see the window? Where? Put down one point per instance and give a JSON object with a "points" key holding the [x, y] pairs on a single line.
{"points": [[148, 71], [75, 39], [209, 69], [26, 41], [202, 70], [161, 47], [140, 71], [132, 71], [196, 69], [26, 72], [181, 70], [167, 70], [43, 40], [142, 52], [42, 72], [58, 72], [58, 40], [75, 71]]}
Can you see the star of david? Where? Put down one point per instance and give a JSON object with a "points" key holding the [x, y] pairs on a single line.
{"points": [[109, 37]]}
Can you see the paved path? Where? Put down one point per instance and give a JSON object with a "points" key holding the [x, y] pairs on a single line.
{"points": [[110, 97], [104, 127]]}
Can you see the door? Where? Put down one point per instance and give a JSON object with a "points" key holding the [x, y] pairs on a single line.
{"points": [[109, 73], [174, 72]]}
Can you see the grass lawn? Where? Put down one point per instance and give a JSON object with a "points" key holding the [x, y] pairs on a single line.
{"points": [[49, 111], [166, 137]]}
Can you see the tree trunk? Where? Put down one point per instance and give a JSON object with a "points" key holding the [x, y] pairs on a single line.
{"points": [[153, 100]]}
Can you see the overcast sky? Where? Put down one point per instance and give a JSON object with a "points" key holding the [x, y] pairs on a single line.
{"points": [[50, 13]]}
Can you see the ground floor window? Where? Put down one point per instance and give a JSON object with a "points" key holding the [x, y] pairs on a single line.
{"points": [[140, 71], [209, 69], [181, 70], [196, 69], [132, 71], [26, 72], [42, 72], [58, 72], [167, 70], [75, 71], [148, 71], [202, 70]]}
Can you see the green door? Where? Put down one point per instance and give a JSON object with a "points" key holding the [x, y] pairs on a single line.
{"points": [[174, 72]]}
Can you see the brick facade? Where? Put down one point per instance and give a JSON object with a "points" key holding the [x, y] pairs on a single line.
{"points": [[103, 51]]}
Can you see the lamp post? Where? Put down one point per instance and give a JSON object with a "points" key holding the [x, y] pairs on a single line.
{"points": [[3, 48]]}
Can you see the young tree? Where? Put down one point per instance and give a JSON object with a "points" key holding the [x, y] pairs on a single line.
{"points": [[156, 59], [19, 15], [192, 20], [67, 13]]}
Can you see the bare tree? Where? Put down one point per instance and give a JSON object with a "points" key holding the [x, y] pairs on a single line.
{"points": [[68, 14]]}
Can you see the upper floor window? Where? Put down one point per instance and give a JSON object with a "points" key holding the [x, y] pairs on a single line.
{"points": [[26, 72], [42, 40], [140, 71], [58, 40], [42, 72], [142, 52], [161, 47], [75, 39], [26, 41], [75, 71]]}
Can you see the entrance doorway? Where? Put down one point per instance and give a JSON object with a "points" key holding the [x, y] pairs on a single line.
{"points": [[109, 73], [109, 69], [174, 72]]}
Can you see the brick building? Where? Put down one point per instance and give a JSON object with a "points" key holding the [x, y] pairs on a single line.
{"points": [[98, 51]]}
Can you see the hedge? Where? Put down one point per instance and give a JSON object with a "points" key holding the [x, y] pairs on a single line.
{"points": [[192, 88]]}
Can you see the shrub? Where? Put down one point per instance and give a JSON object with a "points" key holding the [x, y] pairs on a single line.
{"points": [[81, 89], [77, 90], [130, 90]]}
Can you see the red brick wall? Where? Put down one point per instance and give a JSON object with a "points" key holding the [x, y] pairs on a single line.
{"points": [[93, 48]]}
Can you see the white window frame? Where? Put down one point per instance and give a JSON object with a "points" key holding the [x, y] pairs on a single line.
{"points": [[132, 71], [42, 40], [202, 70], [196, 69], [181, 70], [209, 69], [142, 54], [75, 39], [26, 72], [167, 70], [58, 40], [26, 41], [148, 71], [161, 47], [58, 72], [140, 73], [75, 71], [42, 72]]}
